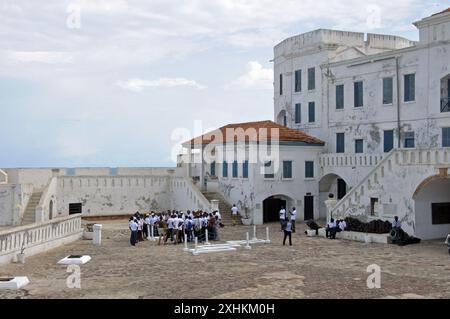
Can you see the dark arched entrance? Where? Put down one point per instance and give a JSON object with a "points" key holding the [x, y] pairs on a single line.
{"points": [[272, 206]]}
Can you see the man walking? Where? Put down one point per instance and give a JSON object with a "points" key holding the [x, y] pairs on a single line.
{"points": [[234, 213], [287, 231]]}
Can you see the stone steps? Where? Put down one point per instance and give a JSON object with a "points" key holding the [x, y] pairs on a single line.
{"points": [[224, 207], [29, 216]]}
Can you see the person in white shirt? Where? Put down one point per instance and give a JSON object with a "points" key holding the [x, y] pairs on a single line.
{"points": [[282, 217], [330, 231], [396, 224], [293, 218], [342, 225], [234, 214], [180, 235], [132, 224], [170, 226]]}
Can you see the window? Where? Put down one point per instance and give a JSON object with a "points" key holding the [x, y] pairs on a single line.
{"points": [[446, 137], [268, 170], [75, 208], [409, 140], [309, 169], [285, 120], [298, 113], [311, 112], [281, 84], [359, 146], [339, 97], [311, 78], [340, 142], [235, 169], [298, 80], [287, 169], [410, 87], [388, 140], [245, 169], [213, 169], [387, 90], [440, 213], [358, 94], [224, 169]]}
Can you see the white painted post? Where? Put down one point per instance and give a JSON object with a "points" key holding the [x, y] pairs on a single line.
{"points": [[206, 235], [149, 235], [254, 232], [152, 231], [97, 240], [185, 243], [248, 242], [196, 243], [267, 236]]}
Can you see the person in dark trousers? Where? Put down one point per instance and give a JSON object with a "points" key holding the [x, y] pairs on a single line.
{"points": [[330, 231], [287, 231], [134, 231]]}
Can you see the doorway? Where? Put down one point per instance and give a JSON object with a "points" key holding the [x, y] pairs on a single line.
{"points": [[271, 209], [309, 207]]}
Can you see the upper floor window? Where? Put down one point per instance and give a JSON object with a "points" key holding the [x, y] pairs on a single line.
{"points": [[298, 113], [213, 169], [409, 140], [287, 169], [388, 85], [358, 94], [298, 80], [309, 169], [410, 87], [235, 169], [281, 84], [388, 140], [224, 169], [359, 146], [311, 112], [245, 169], [311, 78], [340, 143], [268, 170], [446, 137], [339, 97]]}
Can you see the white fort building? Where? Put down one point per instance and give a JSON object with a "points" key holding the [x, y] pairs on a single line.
{"points": [[364, 117]]}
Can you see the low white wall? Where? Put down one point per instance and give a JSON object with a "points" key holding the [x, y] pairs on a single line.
{"points": [[119, 195], [39, 237]]}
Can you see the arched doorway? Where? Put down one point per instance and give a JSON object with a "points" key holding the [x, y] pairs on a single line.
{"points": [[272, 206], [432, 208], [331, 184], [282, 118]]}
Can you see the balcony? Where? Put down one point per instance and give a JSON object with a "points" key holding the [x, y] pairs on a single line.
{"points": [[445, 105]]}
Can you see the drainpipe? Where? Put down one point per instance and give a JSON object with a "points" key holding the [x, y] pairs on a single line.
{"points": [[398, 101]]}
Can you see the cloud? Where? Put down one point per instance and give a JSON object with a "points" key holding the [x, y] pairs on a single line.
{"points": [[138, 85], [256, 77], [51, 57]]}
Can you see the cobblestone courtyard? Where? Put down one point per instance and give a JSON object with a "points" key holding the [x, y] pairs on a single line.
{"points": [[311, 268]]}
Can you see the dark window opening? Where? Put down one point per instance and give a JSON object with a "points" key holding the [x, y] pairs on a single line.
{"points": [[440, 213]]}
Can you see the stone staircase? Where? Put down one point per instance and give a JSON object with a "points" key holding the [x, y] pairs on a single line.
{"points": [[224, 207], [29, 216]]}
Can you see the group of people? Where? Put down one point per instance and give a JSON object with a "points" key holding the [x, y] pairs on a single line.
{"points": [[335, 226], [173, 226]]}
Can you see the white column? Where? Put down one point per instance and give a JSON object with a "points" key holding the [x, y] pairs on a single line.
{"points": [[267, 236], [248, 242], [185, 243], [254, 232], [97, 239]]}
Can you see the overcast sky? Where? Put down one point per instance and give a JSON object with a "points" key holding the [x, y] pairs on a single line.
{"points": [[116, 82]]}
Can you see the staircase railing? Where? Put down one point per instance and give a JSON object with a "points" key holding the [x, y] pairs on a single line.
{"points": [[345, 202], [49, 194], [190, 193], [3, 177]]}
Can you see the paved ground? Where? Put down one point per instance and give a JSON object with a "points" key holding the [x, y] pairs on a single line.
{"points": [[311, 268]]}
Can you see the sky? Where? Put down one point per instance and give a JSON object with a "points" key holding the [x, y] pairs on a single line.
{"points": [[114, 83]]}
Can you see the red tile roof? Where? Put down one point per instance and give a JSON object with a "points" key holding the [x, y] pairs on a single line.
{"points": [[445, 11], [285, 134]]}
